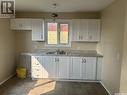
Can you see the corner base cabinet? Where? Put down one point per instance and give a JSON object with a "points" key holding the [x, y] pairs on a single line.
{"points": [[64, 67]]}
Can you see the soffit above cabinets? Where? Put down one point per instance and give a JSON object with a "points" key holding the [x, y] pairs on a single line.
{"points": [[62, 5]]}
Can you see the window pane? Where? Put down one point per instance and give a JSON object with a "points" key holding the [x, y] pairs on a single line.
{"points": [[52, 33], [64, 33]]}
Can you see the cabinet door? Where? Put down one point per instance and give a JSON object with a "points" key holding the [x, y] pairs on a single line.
{"points": [[20, 24], [91, 68], [50, 67], [37, 30], [83, 30], [75, 29], [76, 68], [94, 30], [86, 30], [36, 66], [63, 67]]}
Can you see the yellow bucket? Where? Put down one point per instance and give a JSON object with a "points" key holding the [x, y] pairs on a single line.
{"points": [[21, 72]]}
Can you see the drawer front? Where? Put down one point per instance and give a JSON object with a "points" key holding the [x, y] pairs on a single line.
{"points": [[36, 61], [36, 72]]}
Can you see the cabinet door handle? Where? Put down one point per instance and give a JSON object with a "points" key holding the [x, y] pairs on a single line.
{"points": [[41, 36], [20, 25], [90, 37], [79, 37], [56, 59], [37, 58], [37, 75], [83, 60]]}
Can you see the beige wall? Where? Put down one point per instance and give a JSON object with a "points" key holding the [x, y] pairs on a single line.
{"points": [[123, 83], [111, 44], [7, 50], [73, 15]]}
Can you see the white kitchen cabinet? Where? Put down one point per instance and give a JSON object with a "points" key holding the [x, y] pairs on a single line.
{"points": [[83, 68], [89, 72], [76, 68], [63, 67], [86, 30], [20, 24], [36, 66], [83, 32], [37, 30], [76, 30], [56, 67], [50, 67], [94, 30]]}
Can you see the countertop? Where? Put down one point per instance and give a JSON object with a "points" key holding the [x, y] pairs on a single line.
{"points": [[76, 53]]}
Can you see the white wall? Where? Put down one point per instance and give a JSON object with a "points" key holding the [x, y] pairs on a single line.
{"points": [[7, 50], [123, 83], [111, 44]]}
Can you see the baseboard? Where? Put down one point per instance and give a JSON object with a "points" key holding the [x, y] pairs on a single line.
{"points": [[77, 80], [7, 79], [105, 87], [69, 80]]}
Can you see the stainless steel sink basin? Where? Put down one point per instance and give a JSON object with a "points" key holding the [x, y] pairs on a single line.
{"points": [[51, 53], [57, 52]]}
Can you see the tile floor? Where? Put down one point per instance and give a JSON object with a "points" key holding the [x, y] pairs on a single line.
{"points": [[16, 86]]}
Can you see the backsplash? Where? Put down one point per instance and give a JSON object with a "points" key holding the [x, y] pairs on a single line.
{"points": [[25, 44], [74, 46]]}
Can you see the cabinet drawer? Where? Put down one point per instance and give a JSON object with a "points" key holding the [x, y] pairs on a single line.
{"points": [[36, 61], [36, 76], [36, 72]]}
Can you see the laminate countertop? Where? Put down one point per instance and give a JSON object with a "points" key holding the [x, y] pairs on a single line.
{"points": [[70, 53]]}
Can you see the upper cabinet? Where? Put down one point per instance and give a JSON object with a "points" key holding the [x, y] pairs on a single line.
{"points": [[37, 30], [86, 30], [20, 24], [83, 30], [34, 25], [94, 30]]}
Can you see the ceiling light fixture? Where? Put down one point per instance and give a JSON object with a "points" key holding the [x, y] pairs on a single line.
{"points": [[54, 15]]}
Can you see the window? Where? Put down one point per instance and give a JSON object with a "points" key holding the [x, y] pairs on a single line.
{"points": [[52, 33], [58, 33]]}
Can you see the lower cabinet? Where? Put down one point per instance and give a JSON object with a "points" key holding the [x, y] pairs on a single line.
{"points": [[36, 66], [49, 66], [91, 68], [83, 68], [62, 67], [76, 68]]}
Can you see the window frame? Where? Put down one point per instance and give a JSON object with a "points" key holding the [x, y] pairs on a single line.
{"points": [[59, 21]]}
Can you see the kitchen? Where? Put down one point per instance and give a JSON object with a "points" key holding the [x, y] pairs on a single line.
{"points": [[68, 47]]}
